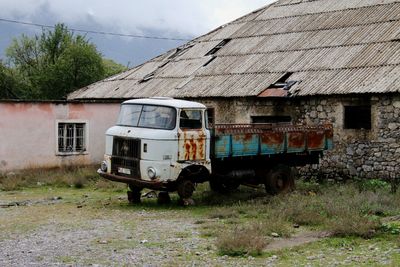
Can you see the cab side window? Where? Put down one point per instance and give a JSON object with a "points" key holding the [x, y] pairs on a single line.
{"points": [[190, 119]]}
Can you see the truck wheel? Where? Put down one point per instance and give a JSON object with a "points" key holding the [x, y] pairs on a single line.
{"points": [[185, 189], [134, 194], [280, 179]]}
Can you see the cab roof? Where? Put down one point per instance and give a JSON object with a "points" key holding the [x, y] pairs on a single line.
{"points": [[166, 101]]}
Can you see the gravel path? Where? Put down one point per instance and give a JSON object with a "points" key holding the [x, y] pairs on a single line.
{"points": [[111, 235]]}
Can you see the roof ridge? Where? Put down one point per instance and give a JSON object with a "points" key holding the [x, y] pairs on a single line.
{"points": [[317, 13]]}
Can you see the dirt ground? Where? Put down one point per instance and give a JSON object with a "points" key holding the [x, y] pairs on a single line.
{"points": [[70, 227]]}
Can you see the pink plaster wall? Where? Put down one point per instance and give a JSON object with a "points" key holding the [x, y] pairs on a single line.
{"points": [[28, 132]]}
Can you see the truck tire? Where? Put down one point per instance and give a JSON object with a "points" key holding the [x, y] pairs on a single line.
{"points": [[185, 189], [134, 194], [280, 179]]}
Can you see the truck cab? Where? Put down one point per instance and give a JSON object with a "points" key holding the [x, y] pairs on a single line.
{"points": [[158, 143]]}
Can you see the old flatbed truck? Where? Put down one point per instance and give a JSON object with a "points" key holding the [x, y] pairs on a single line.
{"points": [[167, 145]]}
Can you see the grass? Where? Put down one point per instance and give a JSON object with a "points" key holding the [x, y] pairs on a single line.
{"points": [[242, 241], [240, 224], [69, 176]]}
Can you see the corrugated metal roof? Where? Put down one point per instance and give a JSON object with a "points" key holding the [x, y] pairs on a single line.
{"points": [[330, 46]]}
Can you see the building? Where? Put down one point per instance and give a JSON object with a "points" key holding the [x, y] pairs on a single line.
{"points": [[45, 134], [305, 61]]}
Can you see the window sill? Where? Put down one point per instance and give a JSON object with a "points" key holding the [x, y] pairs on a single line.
{"points": [[65, 154]]}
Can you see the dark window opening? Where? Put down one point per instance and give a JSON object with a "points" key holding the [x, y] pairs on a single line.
{"points": [[218, 47], [271, 119], [208, 62], [357, 117]]}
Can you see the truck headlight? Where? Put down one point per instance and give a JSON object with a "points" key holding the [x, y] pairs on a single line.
{"points": [[103, 166], [151, 172]]}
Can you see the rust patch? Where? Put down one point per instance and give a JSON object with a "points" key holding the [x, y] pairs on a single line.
{"points": [[272, 138], [316, 139], [194, 145], [296, 139], [273, 92]]}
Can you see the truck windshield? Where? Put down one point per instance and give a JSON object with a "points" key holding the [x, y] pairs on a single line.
{"points": [[147, 116]]}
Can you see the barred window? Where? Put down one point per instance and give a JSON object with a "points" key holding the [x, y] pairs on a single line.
{"points": [[71, 137]]}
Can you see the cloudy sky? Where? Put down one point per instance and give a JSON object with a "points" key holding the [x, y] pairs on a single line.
{"points": [[184, 19]]}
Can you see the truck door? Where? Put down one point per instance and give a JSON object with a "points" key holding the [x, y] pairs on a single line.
{"points": [[192, 135]]}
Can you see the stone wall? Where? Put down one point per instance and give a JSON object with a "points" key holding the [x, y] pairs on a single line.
{"points": [[360, 153], [373, 153]]}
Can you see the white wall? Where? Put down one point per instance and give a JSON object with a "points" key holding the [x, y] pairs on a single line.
{"points": [[28, 132]]}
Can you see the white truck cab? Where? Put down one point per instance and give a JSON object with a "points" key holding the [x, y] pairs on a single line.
{"points": [[158, 143]]}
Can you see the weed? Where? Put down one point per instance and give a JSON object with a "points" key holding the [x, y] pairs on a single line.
{"points": [[241, 242], [303, 210], [372, 185], [392, 228], [349, 223]]}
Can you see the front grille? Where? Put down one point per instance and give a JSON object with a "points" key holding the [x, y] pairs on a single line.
{"points": [[125, 157]]}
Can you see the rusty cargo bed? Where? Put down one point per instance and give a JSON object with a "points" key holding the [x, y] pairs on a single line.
{"points": [[244, 140]]}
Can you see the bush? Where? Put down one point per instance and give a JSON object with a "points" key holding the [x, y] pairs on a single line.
{"points": [[303, 209], [241, 242], [350, 224]]}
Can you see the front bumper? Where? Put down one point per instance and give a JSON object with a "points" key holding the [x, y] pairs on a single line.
{"points": [[154, 185]]}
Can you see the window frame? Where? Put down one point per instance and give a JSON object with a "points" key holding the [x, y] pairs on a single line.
{"points": [[140, 115], [202, 111], [85, 138]]}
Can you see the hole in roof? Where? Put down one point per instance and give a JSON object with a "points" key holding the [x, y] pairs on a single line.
{"points": [[283, 83], [218, 47], [180, 51], [147, 77], [209, 61]]}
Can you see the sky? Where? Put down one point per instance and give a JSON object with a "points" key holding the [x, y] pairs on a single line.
{"points": [[183, 19]]}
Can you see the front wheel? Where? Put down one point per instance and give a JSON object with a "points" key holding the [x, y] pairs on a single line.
{"points": [[280, 179], [185, 189]]}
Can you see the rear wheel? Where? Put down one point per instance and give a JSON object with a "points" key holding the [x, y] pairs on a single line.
{"points": [[280, 179]]}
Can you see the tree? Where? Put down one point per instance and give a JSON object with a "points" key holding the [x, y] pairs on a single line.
{"points": [[11, 83], [55, 63], [111, 67]]}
